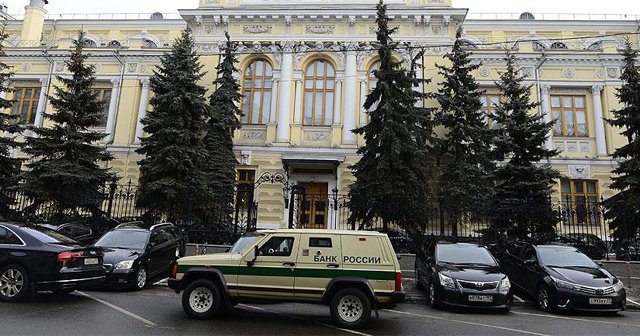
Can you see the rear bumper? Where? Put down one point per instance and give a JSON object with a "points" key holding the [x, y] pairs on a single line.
{"points": [[86, 280]]}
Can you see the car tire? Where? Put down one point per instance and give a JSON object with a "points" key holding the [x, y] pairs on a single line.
{"points": [[14, 283], [60, 291], [141, 278], [544, 298], [433, 297], [418, 279], [202, 300], [350, 308]]}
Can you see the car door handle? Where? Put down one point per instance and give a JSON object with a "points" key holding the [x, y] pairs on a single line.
{"points": [[333, 265], [288, 264]]}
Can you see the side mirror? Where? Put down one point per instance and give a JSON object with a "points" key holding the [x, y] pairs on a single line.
{"points": [[256, 251]]}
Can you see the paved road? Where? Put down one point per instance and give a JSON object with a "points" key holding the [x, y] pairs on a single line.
{"points": [[157, 311]]}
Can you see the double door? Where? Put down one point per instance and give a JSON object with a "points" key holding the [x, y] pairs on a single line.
{"points": [[313, 206]]}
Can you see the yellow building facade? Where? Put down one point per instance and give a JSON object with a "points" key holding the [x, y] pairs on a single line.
{"points": [[306, 69]]}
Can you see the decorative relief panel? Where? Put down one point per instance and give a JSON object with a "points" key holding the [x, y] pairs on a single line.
{"points": [[579, 172], [131, 67], [320, 30], [258, 29], [575, 146], [254, 136], [484, 71], [26, 67], [569, 73], [613, 73], [317, 137]]}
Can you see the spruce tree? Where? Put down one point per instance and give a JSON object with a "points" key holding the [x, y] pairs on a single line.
{"points": [[623, 208], [221, 168], [67, 165], [172, 181], [8, 129], [465, 176], [393, 172], [521, 205]]}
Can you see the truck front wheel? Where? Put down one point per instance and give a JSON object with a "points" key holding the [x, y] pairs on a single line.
{"points": [[202, 299]]}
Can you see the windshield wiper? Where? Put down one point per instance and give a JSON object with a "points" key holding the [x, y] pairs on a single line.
{"points": [[476, 264]]}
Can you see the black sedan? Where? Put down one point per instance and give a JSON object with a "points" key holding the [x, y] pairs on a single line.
{"points": [[561, 277], [462, 275], [34, 258], [134, 253]]}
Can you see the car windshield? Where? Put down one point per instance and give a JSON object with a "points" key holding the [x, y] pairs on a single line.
{"points": [[47, 235], [462, 254], [564, 257], [242, 243], [126, 239]]}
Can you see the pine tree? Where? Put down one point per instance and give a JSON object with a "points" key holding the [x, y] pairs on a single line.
{"points": [[393, 172], [221, 168], [8, 129], [172, 181], [522, 202], [67, 168], [623, 208], [465, 177]]}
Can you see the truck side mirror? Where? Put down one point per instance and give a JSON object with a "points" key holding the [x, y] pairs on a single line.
{"points": [[256, 251]]}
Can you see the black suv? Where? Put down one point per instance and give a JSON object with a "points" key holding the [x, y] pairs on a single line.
{"points": [[134, 254], [562, 277], [462, 275]]}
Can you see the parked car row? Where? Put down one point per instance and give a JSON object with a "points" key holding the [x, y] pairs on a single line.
{"points": [[37, 258], [556, 276]]}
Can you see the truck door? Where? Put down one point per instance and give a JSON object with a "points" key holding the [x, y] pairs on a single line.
{"points": [[319, 260], [271, 275]]}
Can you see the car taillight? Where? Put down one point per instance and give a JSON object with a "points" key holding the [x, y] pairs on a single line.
{"points": [[174, 270], [398, 281], [68, 256]]}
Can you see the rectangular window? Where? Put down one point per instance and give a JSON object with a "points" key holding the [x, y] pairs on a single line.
{"points": [[246, 176], [104, 96], [25, 104], [570, 115], [490, 103], [580, 202], [320, 242]]}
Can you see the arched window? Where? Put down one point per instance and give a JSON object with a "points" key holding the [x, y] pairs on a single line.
{"points": [[256, 91], [148, 43], [89, 43], [372, 81], [319, 92]]}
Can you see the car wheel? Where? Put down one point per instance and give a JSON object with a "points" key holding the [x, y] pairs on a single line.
{"points": [[14, 283], [61, 291], [350, 308], [418, 279], [544, 298], [202, 300], [433, 297], [141, 278]]}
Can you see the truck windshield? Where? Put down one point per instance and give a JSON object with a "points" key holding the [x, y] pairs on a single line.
{"points": [[242, 243]]}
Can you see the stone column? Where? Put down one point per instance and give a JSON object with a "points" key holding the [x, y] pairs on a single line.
{"points": [[601, 142], [282, 130], [113, 109], [363, 97], [274, 101], [546, 113], [350, 82], [42, 101], [142, 110], [298, 103], [337, 103]]}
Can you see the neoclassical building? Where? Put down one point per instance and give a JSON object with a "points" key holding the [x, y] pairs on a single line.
{"points": [[305, 68]]}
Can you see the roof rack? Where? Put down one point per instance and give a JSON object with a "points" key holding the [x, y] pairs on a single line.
{"points": [[159, 225]]}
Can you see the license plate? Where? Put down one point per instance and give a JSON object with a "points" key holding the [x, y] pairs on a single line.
{"points": [[594, 301], [480, 298], [91, 261]]}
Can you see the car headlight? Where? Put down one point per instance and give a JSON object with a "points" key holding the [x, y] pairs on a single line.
{"points": [[446, 281], [127, 264], [505, 285], [618, 286], [564, 284]]}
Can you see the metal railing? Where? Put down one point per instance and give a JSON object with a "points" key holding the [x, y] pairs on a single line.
{"points": [[554, 17], [104, 16]]}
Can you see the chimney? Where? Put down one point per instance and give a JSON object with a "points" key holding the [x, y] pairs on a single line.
{"points": [[33, 23]]}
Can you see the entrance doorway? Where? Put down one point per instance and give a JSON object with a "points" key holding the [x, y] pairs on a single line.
{"points": [[314, 206]]}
